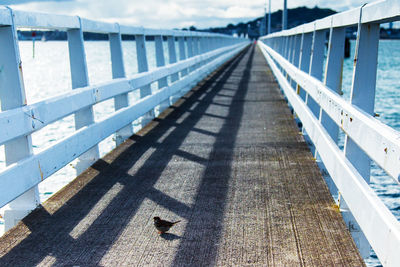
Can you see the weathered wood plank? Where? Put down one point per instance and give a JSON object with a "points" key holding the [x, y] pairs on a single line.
{"points": [[227, 159]]}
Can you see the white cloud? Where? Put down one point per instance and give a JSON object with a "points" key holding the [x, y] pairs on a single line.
{"points": [[170, 13]]}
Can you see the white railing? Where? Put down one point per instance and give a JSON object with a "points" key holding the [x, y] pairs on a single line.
{"points": [[200, 54], [296, 57]]}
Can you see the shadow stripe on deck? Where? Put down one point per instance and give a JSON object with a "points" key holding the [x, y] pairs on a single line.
{"points": [[227, 159]]}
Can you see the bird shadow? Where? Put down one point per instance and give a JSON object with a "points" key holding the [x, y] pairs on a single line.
{"points": [[169, 236]]}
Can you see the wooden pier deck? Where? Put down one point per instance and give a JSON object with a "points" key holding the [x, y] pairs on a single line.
{"points": [[227, 160]]}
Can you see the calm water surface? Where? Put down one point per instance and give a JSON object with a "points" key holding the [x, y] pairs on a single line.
{"points": [[387, 105]]}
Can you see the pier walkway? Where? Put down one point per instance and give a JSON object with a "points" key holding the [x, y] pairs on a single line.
{"points": [[227, 160]]}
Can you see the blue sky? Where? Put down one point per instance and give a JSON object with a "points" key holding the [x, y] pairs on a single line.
{"points": [[169, 13]]}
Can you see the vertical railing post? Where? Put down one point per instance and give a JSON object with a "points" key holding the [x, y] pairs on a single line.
{"points": [[315, 70], [182, 52], [195, 46], [118, 71], [12, 95], [143, 67], [304, 65], [209, 43], [172, 56], [160, 61], [333, 80], [203, 45], [172, 59], [195, 50], [287, 43], [296, 49], [362, 96], [305, 52], [333, 75], [79, 78], [304, 59], [283, 48], [278, 44], [190, 48], [317, 54], [213, 42], [296, 45]]}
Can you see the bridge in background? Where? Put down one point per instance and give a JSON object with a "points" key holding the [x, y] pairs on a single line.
{"points": [[224, 155]]}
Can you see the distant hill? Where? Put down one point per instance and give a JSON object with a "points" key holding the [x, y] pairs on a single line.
{"points": [[296, 16]]}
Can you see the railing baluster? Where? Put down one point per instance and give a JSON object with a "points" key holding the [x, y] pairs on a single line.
{"points": [[117, 61], [295, 54], [304, 59], [296, 50], [189, 41], [305, 52], [182, 52], [289, 44], [118, 71], [304, 64], [315, 70], [172, 56], [143, 67], [160, 61], [196, 43], [362, 96], [203, 45], [316, 64], [190, 50], [317, 54], [286, 49], [172, 59], [333, 75], [333, 80], [12, 95], [214, 43], [79, 78]]}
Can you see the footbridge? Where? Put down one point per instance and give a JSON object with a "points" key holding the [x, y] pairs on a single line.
{"points": [[237, 140]]}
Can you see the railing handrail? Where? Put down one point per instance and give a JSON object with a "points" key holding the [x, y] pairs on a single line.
{"points": [[296, 58], [37, 20]]}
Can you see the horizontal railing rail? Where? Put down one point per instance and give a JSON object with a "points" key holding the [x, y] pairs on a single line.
{"points": [[200, 53], [35, 20], [296, 57], [31, 118]]}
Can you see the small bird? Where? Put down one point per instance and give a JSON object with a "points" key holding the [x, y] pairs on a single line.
{"points": [[163, 226]]}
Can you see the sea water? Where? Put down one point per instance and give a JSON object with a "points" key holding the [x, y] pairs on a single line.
{"points": [[47, 74], [387, 106]]}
